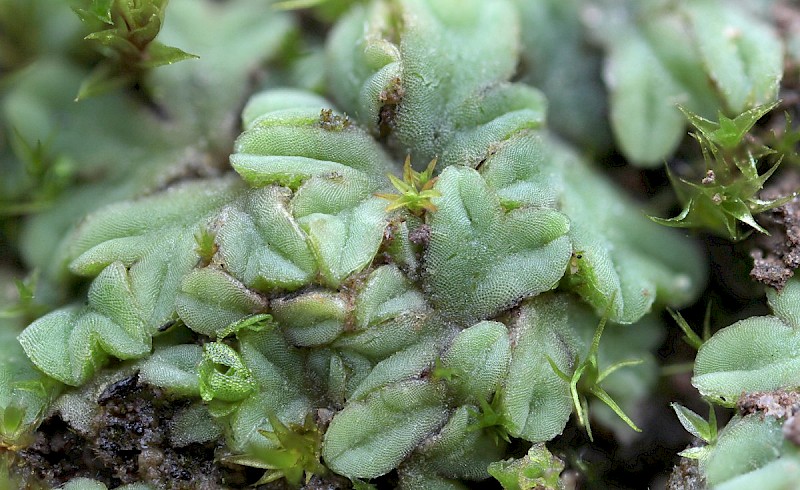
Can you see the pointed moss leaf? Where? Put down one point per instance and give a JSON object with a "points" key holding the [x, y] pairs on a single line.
{"points": [[160, 54], [344, 224], [693, 423], [538, 469], [745, 444], [620, 254], [101, 80], [755, 354], [370, 437], [742, 55], [406, 364], [262, 245], [480, 259], [627, 363], [289, 146], [728, 133], [479, 358], [311, 319], [174, 369], [246, 424], [96, 10], [70, 344], [458, 451], [418, 91], [646, 123], [535, 400], [386, 295], [210, 300]]}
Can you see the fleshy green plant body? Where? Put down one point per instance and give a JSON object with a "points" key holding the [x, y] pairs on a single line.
{"points": [[312, 321]]}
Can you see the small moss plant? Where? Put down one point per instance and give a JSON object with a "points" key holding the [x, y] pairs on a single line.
{"points": [[728, 194], [415, 189], [586, 378], [124, 32], [295, 456]]}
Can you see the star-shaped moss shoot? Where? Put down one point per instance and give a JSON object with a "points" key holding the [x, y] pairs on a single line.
{"points": [[491, 418], [587, 378], [295, 455], [125, 32], [415, 190], [728, 194]]}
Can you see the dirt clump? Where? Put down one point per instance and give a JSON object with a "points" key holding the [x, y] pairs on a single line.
{"points": [[129, 442], [777, 255]]}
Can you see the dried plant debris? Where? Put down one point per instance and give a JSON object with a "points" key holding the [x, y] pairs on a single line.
{"points": [[686, 476], [779, 404], [776, 404], [777, 255]]}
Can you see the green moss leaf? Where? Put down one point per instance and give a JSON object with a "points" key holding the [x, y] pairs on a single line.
{"points": [[616, 253], [289, 146], [744, 445], [480, 259], [477, 360], [535, 400], [174, 369], [334, 168], [406, 364], [402, 78], [70, 344], [646, 122], [742, 55], [755, 354], [619, 254], [387, 295], [262, 244], [371, 437], [458, 451], [209, 300], [311, 319]]}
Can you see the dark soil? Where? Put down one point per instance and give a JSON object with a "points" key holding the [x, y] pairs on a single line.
{"points": [[777, 255], [129, 443]]}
